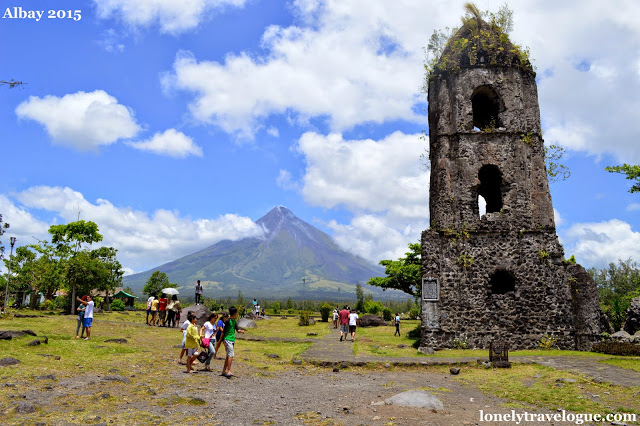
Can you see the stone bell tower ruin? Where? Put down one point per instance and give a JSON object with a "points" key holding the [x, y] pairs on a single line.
{"points": [[501, 275]]}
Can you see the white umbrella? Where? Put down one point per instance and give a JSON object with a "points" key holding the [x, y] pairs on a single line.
{"points": [[170, 290]]}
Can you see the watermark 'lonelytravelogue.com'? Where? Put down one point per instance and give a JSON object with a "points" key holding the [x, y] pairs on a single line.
{"points": [[563, 416]]}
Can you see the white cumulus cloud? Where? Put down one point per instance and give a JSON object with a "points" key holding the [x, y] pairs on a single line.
{"points": [[381, 182], [598, 244], [81, 120], [170, 15], [143, 239], [171, 143]]}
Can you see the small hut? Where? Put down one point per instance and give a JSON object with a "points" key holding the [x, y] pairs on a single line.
{"points": [[128, 299]]}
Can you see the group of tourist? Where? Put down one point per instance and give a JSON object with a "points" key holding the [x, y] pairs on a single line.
{"points": [[212, 334], [348, 320], [164, 312]]}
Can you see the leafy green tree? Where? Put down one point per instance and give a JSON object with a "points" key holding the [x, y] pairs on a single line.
{"points": [[34, 268], [404, 274], [632, 172], [68, 240], [617, 285], [157, 281], [373, 307]]}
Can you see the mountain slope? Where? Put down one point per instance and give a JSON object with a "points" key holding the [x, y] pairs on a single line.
{"points": [[292, 259]]}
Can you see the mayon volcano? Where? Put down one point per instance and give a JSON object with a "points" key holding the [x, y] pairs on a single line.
{"points": [[291, 259]]}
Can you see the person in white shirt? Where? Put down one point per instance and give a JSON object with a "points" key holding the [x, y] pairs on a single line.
{"points": [[353, 322], [149, 300], [88, 314]]}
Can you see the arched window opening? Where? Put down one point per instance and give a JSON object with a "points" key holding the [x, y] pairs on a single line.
{"points": [[486, 108], [482, 205], [490, 188], [502, 282]]}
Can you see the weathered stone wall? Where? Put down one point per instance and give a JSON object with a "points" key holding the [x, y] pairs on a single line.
{"points": [[501, 274]]}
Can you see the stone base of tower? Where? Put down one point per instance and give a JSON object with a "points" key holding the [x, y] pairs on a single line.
{"points": [[508, 285]]}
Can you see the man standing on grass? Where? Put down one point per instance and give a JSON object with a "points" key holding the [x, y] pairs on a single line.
{"points": [[229, 339], [344, 323], [198, 292], [88, 314]]}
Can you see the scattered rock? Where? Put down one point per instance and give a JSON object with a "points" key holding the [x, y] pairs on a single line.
{"points": [[344, 365], [632, 322], [402, 345], [387, 365], [273, 356], [565, 380], [297, 361], [201, 312], [246, 323], [502, 364], [34, 343], [415, 398], [46, 377], [29, 332], [336, 369], [427, 350], [116, 378], [312, 334], [25, 408], [622, 336], [116, 341], [8, 361], [372, 321], [46, 340], [9, 334], [454, 370]]}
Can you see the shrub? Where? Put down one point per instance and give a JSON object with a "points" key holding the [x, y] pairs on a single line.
{"points": [[616, 348], [140, 306], [48, 305], [290, 311], [460, 343], [304, 318], [325, 310], [413, 313], [387, 314], [63, 302], [372, 307], [547, 342], [117, 305], [275, 307]]}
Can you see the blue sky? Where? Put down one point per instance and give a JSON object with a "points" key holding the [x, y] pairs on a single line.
{"points": [[176, 124]]}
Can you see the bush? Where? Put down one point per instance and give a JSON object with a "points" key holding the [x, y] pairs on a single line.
{"points": [[373, 308], [290, 311], [387, 314], [140, 306], [117, 305], [275, 307], [547, 342], [63, 302], [304, 318], [616, 348], [413, 313], [48, 305], [325, 310]]}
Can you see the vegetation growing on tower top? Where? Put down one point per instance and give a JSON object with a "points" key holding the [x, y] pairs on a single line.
{"points": [[482, 40]]}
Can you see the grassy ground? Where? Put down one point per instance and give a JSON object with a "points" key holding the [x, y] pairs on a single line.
{"points": [[150, 351], [534, 385]]}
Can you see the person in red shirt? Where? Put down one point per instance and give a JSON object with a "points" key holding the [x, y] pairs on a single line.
{"points": [[344, 323], [162, 309]]}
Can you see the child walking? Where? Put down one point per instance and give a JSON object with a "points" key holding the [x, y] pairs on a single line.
{"points": [[192, 342], [229, 337]]}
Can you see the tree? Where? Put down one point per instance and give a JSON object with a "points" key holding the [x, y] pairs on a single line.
{"points": [[632, 172], [617, 285], [35, 268], [68, 240], [359, 298], [404, 274], [156, 282], [3, 228], [555, 169]]}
